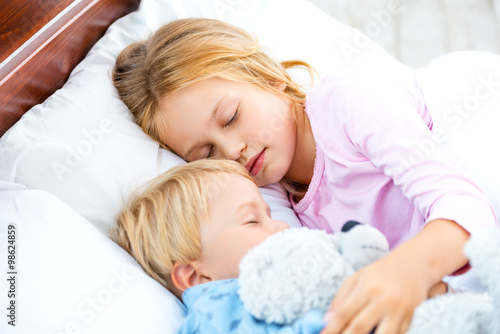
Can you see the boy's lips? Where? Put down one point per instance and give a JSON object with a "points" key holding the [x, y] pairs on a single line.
{"points": [[255, 163]]}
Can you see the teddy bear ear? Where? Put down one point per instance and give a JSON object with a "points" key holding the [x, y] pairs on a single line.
{"points": [[349, 225], [362, 244]]}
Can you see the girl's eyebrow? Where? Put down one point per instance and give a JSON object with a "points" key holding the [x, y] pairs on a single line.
{"points": [[216, 107]]}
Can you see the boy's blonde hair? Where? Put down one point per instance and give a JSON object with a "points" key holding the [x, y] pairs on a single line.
{"points": [[191, 50], [160, 226]]}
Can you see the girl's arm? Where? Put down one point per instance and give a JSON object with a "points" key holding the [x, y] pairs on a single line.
{"points": [[388, 125], [385, 293]]}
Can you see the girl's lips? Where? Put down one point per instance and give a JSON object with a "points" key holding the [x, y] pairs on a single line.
{"points": [[255, 163]]}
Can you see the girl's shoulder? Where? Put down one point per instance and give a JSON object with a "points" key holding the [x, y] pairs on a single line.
{"points": [[334, 91], [342, 101], [354, 89], [354, 82]]}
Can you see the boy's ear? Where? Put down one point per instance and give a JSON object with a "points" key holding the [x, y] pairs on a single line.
{"points": [[186, 275]]}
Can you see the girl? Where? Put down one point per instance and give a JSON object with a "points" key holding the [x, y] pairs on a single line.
{"points": [[349, 150]]}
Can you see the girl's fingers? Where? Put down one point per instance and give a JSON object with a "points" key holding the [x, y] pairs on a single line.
{"points": [[344, 308], [358, 315], [439, 289], [394, 323], [344, 292], [389, 325], [365, 321], [376, 296], [340, 318], [406, 325]]}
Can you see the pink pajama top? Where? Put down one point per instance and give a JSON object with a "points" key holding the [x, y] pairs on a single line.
{"points": [[377, 162]]}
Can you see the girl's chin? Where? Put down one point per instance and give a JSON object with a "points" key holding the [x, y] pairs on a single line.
{"points": [[264, 181], [259, 183]]}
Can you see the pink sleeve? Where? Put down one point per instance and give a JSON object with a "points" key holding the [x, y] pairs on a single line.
{"points": [[383, 122]]}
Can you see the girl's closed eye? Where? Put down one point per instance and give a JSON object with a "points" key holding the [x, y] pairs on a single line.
{"points": [[234, 118]]}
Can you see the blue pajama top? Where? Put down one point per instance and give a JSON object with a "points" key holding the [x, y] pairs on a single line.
{"points": [[215, 307]]}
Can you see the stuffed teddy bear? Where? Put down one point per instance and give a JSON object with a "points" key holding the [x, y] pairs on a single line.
{"points": [[300, 269]]}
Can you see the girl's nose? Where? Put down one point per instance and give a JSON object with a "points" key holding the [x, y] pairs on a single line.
{"points": [[233, 150]]}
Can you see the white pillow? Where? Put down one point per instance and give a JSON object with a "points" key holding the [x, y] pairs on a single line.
{"points": [[67, 277], [462, 93]]}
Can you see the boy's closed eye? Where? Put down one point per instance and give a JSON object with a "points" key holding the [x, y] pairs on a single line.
{"points": [[251, 222]]}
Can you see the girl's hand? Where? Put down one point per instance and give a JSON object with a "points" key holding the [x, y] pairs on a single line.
{"points": [[382, 295], [385, 293]]}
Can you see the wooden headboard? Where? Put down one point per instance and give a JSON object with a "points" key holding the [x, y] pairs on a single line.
{"points": [[41, 42]]}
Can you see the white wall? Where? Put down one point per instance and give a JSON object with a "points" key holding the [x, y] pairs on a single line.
{"points": [[420, 30]]}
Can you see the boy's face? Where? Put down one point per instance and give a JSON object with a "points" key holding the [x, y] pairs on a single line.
{"points": [[239, 220], [224, 119]]}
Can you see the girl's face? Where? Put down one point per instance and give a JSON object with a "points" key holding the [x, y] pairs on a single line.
{"points": [[224, 119]]}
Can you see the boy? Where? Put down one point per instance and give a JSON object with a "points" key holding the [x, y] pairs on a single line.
{"points": [[184, 223]]}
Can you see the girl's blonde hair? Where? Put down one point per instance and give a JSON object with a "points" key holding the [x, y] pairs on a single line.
{"points": [[191, 50], [187, 51], [160, 225]]}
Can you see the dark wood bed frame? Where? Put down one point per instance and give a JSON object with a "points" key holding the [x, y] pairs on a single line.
{"points": [[41, 42]]}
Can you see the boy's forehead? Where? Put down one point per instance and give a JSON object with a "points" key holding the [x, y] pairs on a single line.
{"points": [[226, 189], [226, 181]]}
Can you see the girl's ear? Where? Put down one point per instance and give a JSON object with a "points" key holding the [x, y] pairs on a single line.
{"points": [[282, 86], [186, 275]]}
